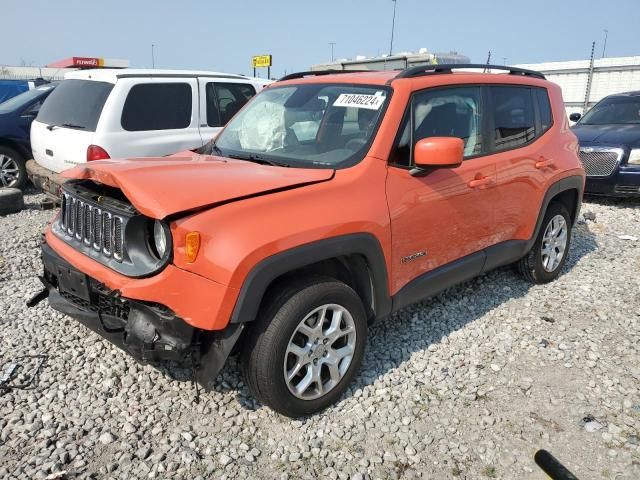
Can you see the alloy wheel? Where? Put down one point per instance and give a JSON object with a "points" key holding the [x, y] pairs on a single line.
{"points": [[320, 351], [554, 243], [9, 171]]}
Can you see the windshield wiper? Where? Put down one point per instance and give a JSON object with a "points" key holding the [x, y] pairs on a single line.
{"points": [[252, 157], [67, 125]]}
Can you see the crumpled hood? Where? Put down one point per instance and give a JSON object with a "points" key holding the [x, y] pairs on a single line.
{"points": [[616, 135], [159, 187]]}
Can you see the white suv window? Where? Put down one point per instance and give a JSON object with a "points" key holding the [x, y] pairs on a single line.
{"points": [[157, 106], [75, 104], [224, 100]]}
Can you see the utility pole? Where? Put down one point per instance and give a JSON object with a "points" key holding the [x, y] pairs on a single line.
{"points": [[153, 59], [587, 93], [604, 48], [393, 25], [332, 44], [504, 61]]}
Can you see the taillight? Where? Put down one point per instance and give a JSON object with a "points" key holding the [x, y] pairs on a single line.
{"points": [[94, 152]]}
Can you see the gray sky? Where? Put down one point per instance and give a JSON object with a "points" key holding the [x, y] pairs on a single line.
{"points": [[223, 35]]}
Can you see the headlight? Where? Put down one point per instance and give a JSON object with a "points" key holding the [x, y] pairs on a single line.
{"points": [[634, 157], [159, 238]]}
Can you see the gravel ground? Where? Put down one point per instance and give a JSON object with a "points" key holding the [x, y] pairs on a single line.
{"points": [[467, 385]]}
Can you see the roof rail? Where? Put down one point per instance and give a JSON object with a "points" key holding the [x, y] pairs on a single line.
{"points": [[292, 76], [421, 70]]}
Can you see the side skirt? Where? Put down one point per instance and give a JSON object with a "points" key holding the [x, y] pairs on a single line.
{"points": [[431, 283]]}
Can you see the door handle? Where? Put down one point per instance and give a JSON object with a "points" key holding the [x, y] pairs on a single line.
{"points": [[480, 182], [545, 163]]}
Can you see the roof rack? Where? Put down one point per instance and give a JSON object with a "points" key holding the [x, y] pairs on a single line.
{"points": [[292, 76], [421, 70]]}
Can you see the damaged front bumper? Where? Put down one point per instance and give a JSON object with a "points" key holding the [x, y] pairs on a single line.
{"points": [[149, 332]]}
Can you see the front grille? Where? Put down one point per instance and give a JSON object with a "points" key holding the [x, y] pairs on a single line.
{"points": [[600, 162], [95, 227], [94, 219]]}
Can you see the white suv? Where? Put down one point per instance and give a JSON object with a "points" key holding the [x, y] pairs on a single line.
{"points": [[107, 113]]}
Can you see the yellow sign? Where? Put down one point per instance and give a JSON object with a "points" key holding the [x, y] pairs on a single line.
{"points": [[261, 61]]}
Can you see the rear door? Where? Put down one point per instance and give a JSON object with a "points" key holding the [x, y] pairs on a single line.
{"points": [[66, 123], [220, 100], [151, 117], [520, 116]]}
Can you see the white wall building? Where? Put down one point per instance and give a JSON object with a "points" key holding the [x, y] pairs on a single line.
{"points": [[397, 61], [610, 75]]}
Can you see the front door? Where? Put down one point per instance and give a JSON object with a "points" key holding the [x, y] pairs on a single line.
{"points": [[448, 213]]}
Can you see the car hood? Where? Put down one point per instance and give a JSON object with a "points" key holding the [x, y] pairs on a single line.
{"points": [[159, 187], [618, 135]]}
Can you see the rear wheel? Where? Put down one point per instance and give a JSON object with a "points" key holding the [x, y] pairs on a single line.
{"points": [[306, 346], [551, 248], [13, 172]]}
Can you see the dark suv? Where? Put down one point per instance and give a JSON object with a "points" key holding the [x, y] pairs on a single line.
{"points": [[609, 136]]}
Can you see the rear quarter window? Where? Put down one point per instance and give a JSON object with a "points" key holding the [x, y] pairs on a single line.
{"points": [[76, 103], [513, 117], [544, 107], [157, 106]]}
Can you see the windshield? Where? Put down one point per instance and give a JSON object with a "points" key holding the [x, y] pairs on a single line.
{"points": [[321, 125], [75, 104], [614, 110], [20, 101]]}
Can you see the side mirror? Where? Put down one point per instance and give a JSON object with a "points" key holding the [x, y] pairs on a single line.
{"points": [[574, 117], [437, 152]]}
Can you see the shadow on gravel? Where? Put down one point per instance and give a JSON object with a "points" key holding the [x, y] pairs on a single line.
{"points": [[413, 329]]}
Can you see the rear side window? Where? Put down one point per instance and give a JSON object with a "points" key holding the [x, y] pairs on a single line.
{"points": [[513, 117], [544, 107], [224, 100], [157, 106], [75, 104]]}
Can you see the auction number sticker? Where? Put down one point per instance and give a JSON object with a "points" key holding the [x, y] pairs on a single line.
{"points": [[356, 100]]}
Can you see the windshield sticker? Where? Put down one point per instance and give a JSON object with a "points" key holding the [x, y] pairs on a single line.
{"points": [[370, 102]]}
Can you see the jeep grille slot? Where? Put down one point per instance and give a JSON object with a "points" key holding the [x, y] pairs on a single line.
{"points": [[96, 228], [600, 162]]}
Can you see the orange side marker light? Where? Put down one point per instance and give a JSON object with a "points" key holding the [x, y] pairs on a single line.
{"points": [[192, 245]]}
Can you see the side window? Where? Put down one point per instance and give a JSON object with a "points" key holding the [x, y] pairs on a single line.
{"points": [[513, 117], [157, 106], [450, 112], [224, 100], [544, 107]]}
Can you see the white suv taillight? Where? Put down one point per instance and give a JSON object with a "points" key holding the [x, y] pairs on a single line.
{"points": [[94, 152]]}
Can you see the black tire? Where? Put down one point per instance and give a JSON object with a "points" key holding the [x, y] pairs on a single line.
{"points": [[263, 354], [531, 265], [21, 179], [11, 200]]}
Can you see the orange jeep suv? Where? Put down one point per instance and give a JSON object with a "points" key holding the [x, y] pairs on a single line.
{"points": [[332, 200]]}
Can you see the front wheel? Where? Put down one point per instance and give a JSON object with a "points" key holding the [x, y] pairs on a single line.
{"points": [[306, 346], [551, 248], [13, 172]]}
